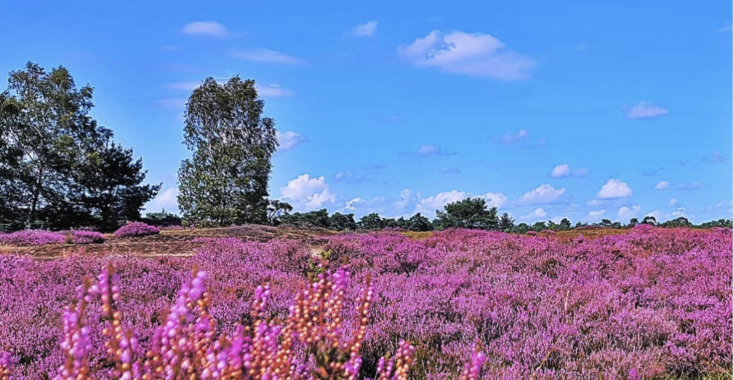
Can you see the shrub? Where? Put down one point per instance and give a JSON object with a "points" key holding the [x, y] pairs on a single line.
{"points": [[87, 237], [137, 229], [32, 237], [531, 233]]}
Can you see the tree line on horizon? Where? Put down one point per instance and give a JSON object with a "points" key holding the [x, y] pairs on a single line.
{"points": [[469, 213], [59, 169]]}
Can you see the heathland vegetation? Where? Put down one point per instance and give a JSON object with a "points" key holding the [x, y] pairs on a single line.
{"points": [[466, 295]]}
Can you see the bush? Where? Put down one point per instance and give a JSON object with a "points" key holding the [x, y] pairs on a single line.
{"points": [[87, 237], [136, 229], [32, 237]]}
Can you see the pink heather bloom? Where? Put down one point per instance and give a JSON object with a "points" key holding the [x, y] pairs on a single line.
{"points": [[136, 229], [87, 237], [31, 238]]}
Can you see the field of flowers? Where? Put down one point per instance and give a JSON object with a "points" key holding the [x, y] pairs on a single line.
{"points": [[649, 304]]}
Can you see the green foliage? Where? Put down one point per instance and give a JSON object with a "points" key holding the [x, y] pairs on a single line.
{"points": [[277, 209], [506, 222], [521, 228], [418, 223], [58, 168], [342, 222], [371, 222], [539, 226], [226, 180], [469, 213], [677, 222], [162, 219], [319, 218], [724, 223], [565, 224], [649, 220], [633, 222]]}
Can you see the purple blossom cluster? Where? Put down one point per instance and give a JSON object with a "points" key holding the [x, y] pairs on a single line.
{"points": [[136, 229], [87, 237], [31, 238], [650, 304]]}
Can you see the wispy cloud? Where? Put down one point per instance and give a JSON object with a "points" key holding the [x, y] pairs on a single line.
{"points": [[289, 140], [662, 185], [274, 91], [521, 138], [269, 91], [266, 56], [365, 30], [716, 157], [429, 150], [645, 110], [206, 28], [472, 54], [534, 216], [564, 170], [724, 29], [626, 213], [450, 171]]}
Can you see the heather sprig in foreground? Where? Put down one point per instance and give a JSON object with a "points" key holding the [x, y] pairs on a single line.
{"points": [[313, 343]]}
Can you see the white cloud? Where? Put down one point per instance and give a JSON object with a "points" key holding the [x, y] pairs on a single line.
{"points": [[534, 216], [543, 194], [472, 54], [428, 150], [681, 211], [511, 138], [614, 188], [561, 171], [662, 185], [597, 212], [350, 204], [266, 56], [269, 91], [289, 140], [206, 28], [657, 214], [627, 213], [564, 170], [645, 110], [672, 202], [343, 175], [167, 199], [307, 192], [274, 91], [365, 30]]}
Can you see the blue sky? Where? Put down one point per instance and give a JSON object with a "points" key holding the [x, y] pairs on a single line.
{"points": [[585, 110]]}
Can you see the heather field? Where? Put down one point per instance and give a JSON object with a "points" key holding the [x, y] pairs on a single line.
{"points": [[651, 303]]}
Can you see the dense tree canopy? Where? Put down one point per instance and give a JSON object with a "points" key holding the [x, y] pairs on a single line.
{"points": [[58, 168], [226, 180], [468, 213]]}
